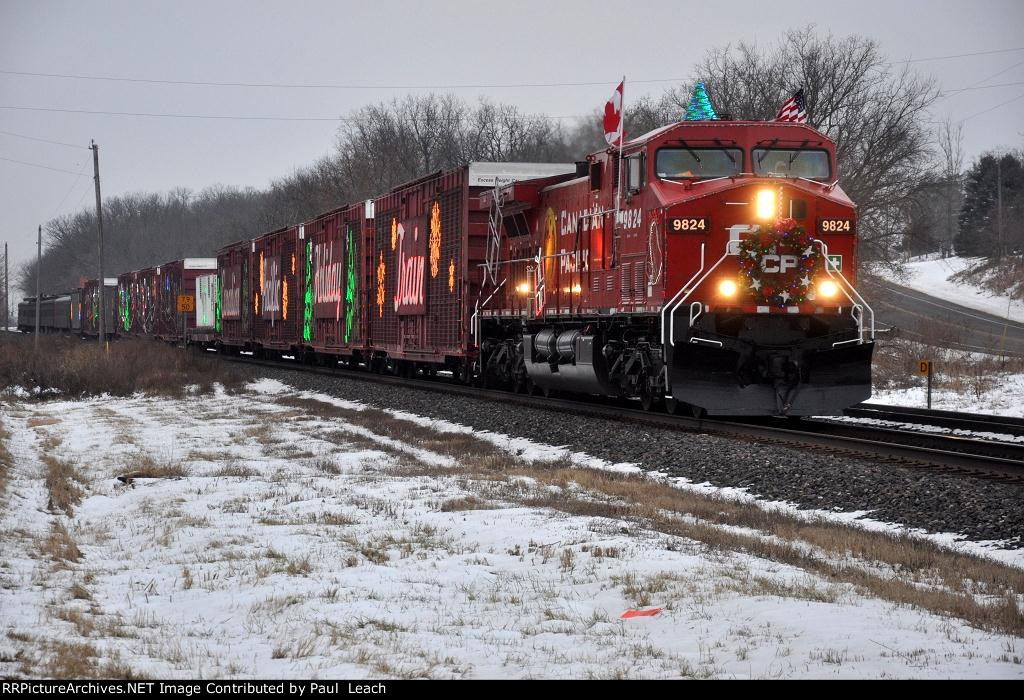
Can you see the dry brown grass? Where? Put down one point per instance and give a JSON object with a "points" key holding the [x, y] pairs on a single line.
{"points": [[75, 660], [145, 466], [79, 368], [60, 484], [1003, 277], [465, 503], [895, 364], [59, 545], [6, 458]]}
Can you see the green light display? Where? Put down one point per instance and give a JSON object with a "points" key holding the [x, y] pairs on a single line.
{"points": [[307, 315], [350, 284], [126, 313], [700, 108]]}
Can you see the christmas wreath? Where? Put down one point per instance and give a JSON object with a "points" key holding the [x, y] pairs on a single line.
{"points": [[786, 283]]}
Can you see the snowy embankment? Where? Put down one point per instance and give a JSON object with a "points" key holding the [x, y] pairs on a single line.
{"points": [[931, 274], [278, 534], [1004, 398]]}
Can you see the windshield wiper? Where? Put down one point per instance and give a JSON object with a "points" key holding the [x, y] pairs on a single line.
{"points": [[725, 150], [796, 153], [764, 152], [690, 150]]}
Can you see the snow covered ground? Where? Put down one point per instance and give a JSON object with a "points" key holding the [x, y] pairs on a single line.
{"points": [[1005, 397], [930, 274], [273, 534]]}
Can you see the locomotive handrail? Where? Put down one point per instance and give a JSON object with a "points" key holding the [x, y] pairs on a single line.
{"points": [[681, 290], [860, 299], [699, 311], [474, 319], [672, 311]]}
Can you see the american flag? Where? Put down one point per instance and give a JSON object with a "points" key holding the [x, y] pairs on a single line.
{"points": [[794, 109]]}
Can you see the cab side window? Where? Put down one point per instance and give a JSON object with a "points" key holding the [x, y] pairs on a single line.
{"points": [[636, 167]]}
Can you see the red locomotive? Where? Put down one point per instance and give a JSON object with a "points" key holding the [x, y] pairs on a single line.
{"points": [[721, 280]]}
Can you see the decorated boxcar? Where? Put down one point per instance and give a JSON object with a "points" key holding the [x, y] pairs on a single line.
{"points": [[275, 297], [427, 270], [334, 251], [234, 314], [174, 279], [91, 307], [137, 303]]}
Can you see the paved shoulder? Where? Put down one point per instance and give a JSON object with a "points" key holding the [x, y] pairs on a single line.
{"points": [[936, 319]]}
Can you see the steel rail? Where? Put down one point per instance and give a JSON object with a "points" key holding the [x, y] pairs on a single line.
{"points": [[957, 420]]}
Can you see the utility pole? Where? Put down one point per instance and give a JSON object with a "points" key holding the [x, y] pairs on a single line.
{"points": [[7, 299], [39, 267], [999, 205], [99, 226]]}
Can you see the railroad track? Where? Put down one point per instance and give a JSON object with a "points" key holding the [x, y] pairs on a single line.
{"points": [[950, 454], [953, 420]]}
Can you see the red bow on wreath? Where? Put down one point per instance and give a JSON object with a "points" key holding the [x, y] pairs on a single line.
{"points": [[778, 264]]}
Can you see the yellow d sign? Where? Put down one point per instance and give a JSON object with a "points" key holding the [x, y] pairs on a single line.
{"points": [[924, 367]]}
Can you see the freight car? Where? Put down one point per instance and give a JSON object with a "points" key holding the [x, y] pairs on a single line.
{"points": [[90, 310], [174, 279], [427, 265], [137, 303]]}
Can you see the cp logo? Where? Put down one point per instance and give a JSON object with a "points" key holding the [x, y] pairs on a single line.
{"points": [[778, 263]]}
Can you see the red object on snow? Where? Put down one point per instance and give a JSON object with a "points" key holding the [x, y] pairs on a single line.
{"points": [[641, 613]]}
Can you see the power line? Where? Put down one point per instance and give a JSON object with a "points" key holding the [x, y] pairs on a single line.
{"points": [[958, 55], [36, 138], [986, 111], [74, 184], [37, 165], [438, 86], [244, 117], [240, 117], [946, 93], [326, 86]]}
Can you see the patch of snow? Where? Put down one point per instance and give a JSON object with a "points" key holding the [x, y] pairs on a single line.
{"points": [[1005, 397], [930, 274], [922, 428]]}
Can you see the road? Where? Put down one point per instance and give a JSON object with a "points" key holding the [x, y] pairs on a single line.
{"points": [[931, 319]]}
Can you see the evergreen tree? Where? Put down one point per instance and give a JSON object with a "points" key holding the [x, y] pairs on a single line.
{"points": [[978, 233]]}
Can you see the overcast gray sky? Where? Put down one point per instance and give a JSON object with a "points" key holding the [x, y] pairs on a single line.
{"points": [[397, 44]]}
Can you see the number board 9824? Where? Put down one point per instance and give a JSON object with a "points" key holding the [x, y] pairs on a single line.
{"points": [[837, 226], [689, 224]]}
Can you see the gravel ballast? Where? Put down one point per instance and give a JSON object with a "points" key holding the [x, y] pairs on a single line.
{"points": [[978, 509]]}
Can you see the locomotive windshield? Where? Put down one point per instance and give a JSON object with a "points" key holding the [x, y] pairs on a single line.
{"points": [[792, 162], [698, 163]]}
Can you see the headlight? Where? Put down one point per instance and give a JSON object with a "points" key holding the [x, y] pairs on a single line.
{"points": [[727, 288], [523, 288], [828, 289], [765, 204]]}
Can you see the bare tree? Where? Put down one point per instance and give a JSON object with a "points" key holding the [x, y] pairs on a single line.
{"points": [[872, 109]]}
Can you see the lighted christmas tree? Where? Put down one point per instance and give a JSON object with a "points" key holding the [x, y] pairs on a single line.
{"points": [[700, 108]]}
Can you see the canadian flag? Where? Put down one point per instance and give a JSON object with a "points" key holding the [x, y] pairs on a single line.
{"points": [[613, 117]]}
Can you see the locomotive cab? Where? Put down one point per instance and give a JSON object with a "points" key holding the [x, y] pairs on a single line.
{"points": [[761, 315]]}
